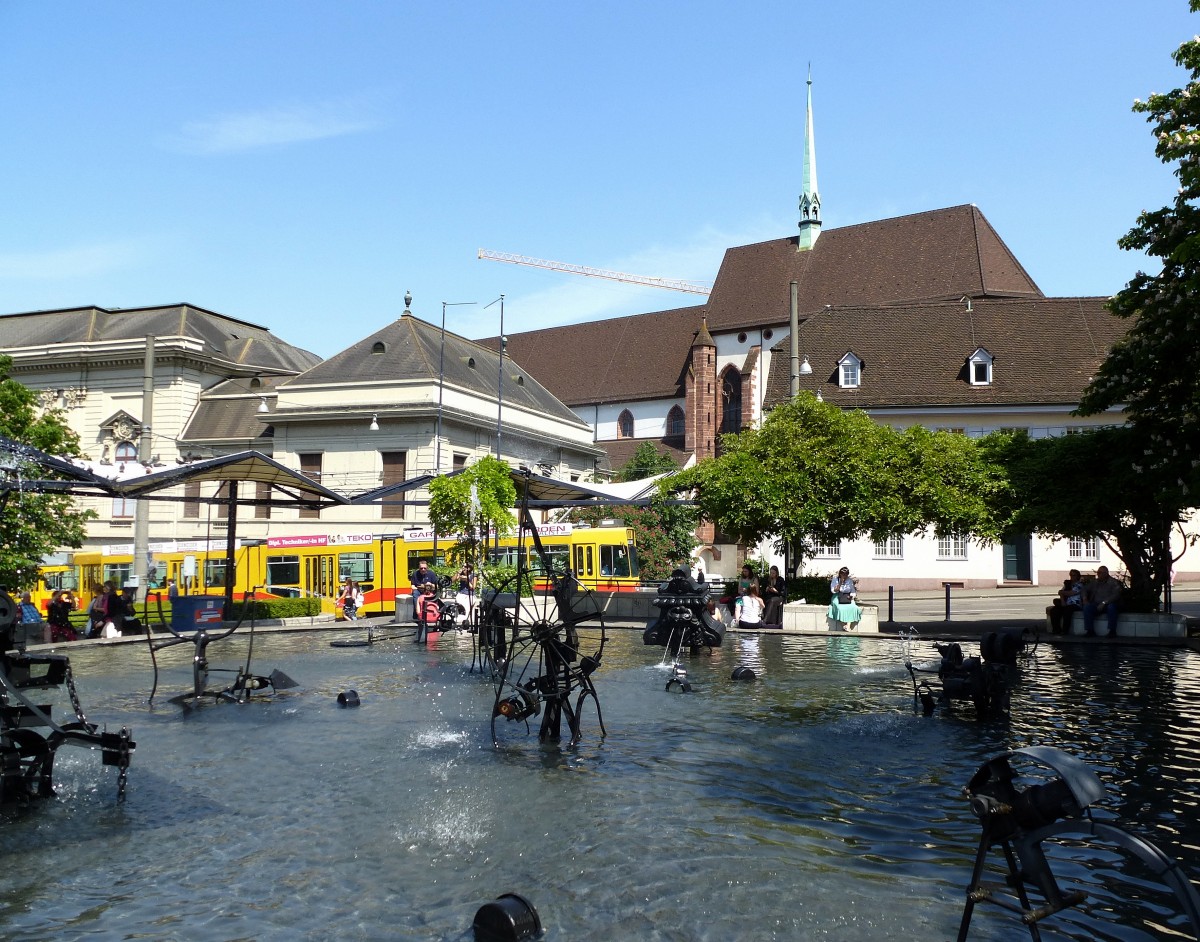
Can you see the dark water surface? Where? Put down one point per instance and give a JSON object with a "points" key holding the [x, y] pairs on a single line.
{"points": [[811, 804]]}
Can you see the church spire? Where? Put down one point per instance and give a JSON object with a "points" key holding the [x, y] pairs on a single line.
{"points": [[810, 200]]}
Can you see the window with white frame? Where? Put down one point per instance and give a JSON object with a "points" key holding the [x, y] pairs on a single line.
{"points": [[1088, 549], [953, 546], [891, 548], [827, 550], [122, 507], [849, 371], [979, 368]]}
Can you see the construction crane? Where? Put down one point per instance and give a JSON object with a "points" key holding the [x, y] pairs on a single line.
{"points": [[690, 287]]}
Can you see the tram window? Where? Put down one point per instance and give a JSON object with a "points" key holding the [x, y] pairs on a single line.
{"points": [[358, 566], [504, 556], [214, 572], [63, 579], [283, 570], [635, 569], [559, 556], [156, 578], [117, 573], [415, 556], [614, 561]]}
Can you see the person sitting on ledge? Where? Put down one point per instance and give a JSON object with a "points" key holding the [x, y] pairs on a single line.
{"points": [[1102, 594], [843, 607], [774, 594], [749, 609], [1068, 601]]}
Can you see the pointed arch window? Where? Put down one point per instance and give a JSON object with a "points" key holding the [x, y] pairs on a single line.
{"points": [[979, 368], [731, 401], [675, 423], [850, 372], [625, 424]]}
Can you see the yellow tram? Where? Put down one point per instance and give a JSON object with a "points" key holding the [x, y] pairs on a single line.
{"points": [[315, 565]]}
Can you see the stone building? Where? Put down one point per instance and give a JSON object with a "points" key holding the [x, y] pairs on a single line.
{"points": [[395, 405]]}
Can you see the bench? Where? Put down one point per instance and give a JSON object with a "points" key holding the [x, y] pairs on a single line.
{"points": [[1134, 624]]}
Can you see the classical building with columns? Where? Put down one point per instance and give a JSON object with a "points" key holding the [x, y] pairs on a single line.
{"points": [[405, 401]]}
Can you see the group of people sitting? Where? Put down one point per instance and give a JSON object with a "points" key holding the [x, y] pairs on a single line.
{"points": [[110, 615], [1090, 597], [755, 605]]}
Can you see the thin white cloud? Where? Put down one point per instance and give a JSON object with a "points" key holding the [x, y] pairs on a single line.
{"points": [[253, 130], [82, 261]]}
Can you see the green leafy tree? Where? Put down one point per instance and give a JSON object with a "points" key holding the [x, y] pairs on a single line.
{"points": [[1091, 485], [470, 505], [814, 473], [32, 526], [664, 532], [1151, 372]]}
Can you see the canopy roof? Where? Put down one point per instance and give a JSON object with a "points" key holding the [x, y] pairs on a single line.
{"points": [[34, 470]]}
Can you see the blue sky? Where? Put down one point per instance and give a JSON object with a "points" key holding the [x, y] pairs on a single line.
{"points": [[302, 164]]}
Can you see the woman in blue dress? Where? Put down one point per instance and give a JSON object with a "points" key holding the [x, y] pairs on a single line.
{"points": [[843, 607]]}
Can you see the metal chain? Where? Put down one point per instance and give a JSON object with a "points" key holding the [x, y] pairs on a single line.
{"points": [[123, 764], [75, 696]]}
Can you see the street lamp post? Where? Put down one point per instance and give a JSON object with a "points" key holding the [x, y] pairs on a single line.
{"points": [[500, 380], [437, 461]]}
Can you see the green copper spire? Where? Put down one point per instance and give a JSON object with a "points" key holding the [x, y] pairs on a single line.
{"points": [[810, 199]]}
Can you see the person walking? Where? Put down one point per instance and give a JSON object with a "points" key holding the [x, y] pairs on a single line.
{"points": [[347, 600]]}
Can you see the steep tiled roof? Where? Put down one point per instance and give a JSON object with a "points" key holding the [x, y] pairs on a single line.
{"points": [[409, 349], [616, 360], [1044, 352], [225, 338], [943, 254]]}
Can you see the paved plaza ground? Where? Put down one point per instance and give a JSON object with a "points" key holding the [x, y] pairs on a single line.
{"points": [[988, 609]]}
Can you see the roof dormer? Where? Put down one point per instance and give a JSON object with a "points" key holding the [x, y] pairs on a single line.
{"points": [[850, 371], [979, 368]]}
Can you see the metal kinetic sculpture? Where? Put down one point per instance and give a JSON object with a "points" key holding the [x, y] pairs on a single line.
{"points": [[243, 685], [29, 735], [1053, 810], [985, 681], [541, 635], [683, 622]]}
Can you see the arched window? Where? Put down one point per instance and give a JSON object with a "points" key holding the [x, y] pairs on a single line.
{"points": [[625, 424], [378, 347], [675, 427], [731, 401]]}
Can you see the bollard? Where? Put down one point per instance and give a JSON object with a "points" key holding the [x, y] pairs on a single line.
{"points": [[947, 585], [891, 603]]}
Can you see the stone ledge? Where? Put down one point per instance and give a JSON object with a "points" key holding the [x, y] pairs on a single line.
{"points": [[1135, 625], [798, 616]]}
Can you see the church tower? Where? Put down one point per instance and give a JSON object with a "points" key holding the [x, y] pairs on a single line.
{"points": [[700, 433], [810, 199]]}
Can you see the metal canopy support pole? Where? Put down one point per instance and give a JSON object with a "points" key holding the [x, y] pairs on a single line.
{"points": [[141, 508], [230, 554]]}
